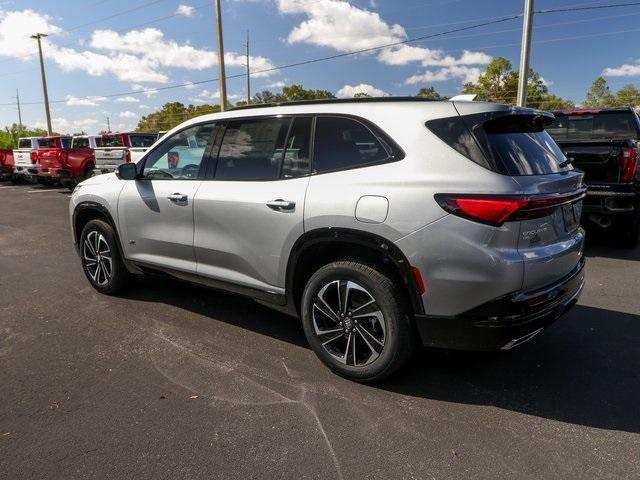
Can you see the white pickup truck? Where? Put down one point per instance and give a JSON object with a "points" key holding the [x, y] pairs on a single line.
{"points": [[25, 157], [118, 148]]}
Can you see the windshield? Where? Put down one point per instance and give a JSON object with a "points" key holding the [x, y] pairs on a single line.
{"points": [[596, 125], [142, 140]]}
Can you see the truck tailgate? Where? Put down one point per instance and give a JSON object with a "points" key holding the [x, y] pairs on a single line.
{"points": [[22, 157], [598, 159], [109, 158]]}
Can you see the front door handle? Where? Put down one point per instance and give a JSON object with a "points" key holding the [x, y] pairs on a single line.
{"points": [[177, 197], [280, 204]]}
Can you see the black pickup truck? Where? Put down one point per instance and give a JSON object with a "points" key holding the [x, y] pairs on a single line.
{"points": [[605, 143]]}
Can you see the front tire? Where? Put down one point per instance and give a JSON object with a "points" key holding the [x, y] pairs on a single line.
{"points": [[356, 321], [101, 259]]}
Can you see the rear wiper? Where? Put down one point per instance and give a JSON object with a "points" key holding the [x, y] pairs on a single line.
{"points": [[566, 163]]}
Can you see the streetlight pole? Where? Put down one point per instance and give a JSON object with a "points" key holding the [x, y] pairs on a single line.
{"points": [[248, 72], [223, 80], [525, 52], [19, 111], [37, 37]]}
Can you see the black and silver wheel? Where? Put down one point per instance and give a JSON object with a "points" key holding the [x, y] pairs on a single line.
{"points": [[356, 321], [101, 258]]}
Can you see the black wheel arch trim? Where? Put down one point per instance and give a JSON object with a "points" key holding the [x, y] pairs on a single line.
{"points": [[382, 245]]}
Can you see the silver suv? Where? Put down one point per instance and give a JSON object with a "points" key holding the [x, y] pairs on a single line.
{"points": [[381, 223]]}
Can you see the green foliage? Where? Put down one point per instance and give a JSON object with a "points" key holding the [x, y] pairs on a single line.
{"points": [[9, 135], [292, 93], [361, 95], [430, 93], [499, 83], [599, 95], [627, 96], [172, 114]]}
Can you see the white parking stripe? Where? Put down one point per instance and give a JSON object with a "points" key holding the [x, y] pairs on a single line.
{"points": [[45, 191]]}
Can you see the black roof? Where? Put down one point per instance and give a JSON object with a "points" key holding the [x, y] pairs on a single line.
{"points": [[336, 100]]}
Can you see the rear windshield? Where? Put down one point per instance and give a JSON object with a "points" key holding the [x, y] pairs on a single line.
{"points": [[142, 140], [508, 144], [112, 141], [47, 143], [24, 143], [596, 125]]}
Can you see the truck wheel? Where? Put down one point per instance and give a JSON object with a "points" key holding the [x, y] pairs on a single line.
{"points": [[101, 259], [631, 234], [356, 321], [88, 172]]}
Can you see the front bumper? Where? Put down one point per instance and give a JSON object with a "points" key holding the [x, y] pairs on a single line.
{"points": [[505, 322]]}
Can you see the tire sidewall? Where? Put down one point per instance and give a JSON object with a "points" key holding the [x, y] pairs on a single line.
{"points": [[118, 270], [391, 309]]}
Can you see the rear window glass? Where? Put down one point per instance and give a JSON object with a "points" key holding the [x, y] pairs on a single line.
{"points": [[142, 140], [342, 143], [47, 143], [80, 142], [510, 145], [24, 143], [112, 141], [597, 125]]}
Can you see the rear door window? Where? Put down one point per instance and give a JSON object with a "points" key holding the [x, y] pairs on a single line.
{"points": [[342, 143], [66, 142], [296, 161], [47, 143], [252, 149]]}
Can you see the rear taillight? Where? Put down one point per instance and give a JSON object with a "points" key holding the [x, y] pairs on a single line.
{"points": [[34, 157], [128, 156], [498, 209], [628, 165]]}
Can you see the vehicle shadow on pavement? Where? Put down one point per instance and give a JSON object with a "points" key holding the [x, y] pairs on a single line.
{"points": [[582, 370], [606, 244]]}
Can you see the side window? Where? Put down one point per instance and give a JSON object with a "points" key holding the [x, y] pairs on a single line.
{"points": [[252, 149], [342, 143], [80, 142], [180, 156], [296, 160], [66, 142]]}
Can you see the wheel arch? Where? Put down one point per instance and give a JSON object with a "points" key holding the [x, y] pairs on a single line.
{"points": [[322, 246]]}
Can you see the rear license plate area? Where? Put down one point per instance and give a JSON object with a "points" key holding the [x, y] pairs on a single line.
{"points": [[571, 216]]}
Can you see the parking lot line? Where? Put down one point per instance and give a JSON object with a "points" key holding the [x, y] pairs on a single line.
{"points": [[45, 191]]}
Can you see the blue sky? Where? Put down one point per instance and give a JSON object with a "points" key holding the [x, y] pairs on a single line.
{"points": [[100, 48]]}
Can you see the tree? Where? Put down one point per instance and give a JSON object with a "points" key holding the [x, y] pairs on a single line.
{"points": [[599, 95], [499, 83], [9, 136], [172, 114], [627, 96], [361, 95], [297, 92], [430, 93]]}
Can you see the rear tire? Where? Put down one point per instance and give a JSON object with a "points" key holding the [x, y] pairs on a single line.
{"points": [[357, 321], [631, 233], [101, 259]]}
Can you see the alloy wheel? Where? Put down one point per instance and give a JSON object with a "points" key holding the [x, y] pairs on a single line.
{"points": [[97, 257], [348, 323]]}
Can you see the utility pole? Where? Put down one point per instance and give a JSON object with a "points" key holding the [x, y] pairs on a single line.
{"points": [[248, 73], [525, 52], [223, 80], [108, 125], [37, 37], [19, 111]]}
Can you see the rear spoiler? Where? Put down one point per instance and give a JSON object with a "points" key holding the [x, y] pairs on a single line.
{"points": [[464, 98]]}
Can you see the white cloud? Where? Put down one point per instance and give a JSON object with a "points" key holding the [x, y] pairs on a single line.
{"points": [[349, 91], [64, 125], [140, 56], [84, 101], [146, 91], [344, 27], [278, 84], [545, 82], [208, 96], [127, 99], [128, 114], [189, 85], [625, 70], [185, 10], [458, 72]]}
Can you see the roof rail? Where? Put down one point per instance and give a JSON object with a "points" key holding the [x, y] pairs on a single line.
{"points": [[322, 101]]}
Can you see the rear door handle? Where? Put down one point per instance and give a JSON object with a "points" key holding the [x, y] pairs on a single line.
{"points": [[177, 197], [280, 204]]}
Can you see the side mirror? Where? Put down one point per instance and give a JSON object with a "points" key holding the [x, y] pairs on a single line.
{"points": [[127, 171]]}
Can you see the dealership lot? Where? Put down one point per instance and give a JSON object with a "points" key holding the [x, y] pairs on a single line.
{"points": [[175, 381]]}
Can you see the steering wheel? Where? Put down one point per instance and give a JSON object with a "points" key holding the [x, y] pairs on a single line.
{"points": [[190, 171]]}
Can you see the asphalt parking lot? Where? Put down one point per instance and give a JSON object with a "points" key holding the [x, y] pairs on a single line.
{"points": [[174, 381]]}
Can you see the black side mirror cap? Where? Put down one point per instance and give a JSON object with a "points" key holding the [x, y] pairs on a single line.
{"points": [[127, 171]]}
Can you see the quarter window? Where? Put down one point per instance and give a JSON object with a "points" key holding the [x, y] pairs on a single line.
{"points": [[342, 143], [180, 156], [252, 149], [296, 160]]}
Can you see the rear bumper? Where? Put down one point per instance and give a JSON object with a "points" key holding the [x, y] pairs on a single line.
{"points": [[5, 172], [612, 199], [505, 322], [54, 172]]}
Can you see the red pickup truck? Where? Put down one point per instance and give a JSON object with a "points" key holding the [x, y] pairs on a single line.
{"points": [[6, 164], [65, 159]]}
